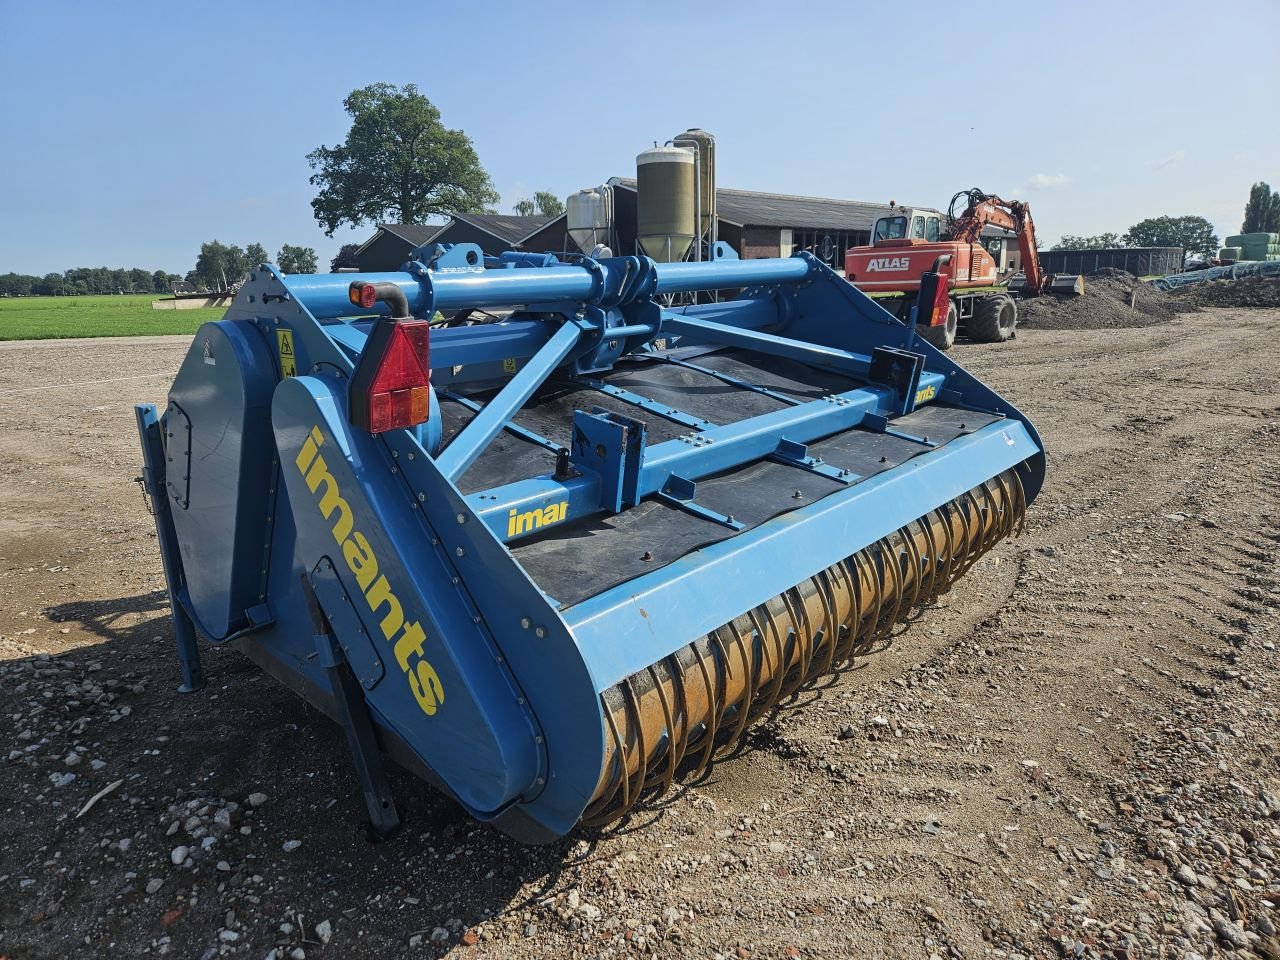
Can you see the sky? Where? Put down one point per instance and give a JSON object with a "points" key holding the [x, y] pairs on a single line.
{"points": [[135, 131]]}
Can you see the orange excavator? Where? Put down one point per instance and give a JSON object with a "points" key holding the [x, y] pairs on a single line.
{"points": [[909, 244]]}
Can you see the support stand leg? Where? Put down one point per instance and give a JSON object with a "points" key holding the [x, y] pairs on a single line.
{"points": [[353, 712]]}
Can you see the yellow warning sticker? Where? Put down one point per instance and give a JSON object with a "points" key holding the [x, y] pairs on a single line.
{"points": [[509, 365], [288, 366]]}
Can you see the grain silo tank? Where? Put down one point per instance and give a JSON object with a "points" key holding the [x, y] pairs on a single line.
{"points": [[590, 217], [705, 144], [664, 202]]}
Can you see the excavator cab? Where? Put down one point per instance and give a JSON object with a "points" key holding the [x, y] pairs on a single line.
{"points": [[908, 225]]}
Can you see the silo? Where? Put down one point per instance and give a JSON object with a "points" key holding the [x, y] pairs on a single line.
{"points": [[664, 202], [705, 145], [590, 217]]}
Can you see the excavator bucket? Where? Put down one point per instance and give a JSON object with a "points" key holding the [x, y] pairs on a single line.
{"points": [[1067, 285], [561, 553]]}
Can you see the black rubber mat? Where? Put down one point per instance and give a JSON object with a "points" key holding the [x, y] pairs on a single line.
{"points": [[579, 559]]}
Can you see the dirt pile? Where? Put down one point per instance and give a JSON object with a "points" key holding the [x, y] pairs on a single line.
{"points": [[1107, 295], [1249, 292]]}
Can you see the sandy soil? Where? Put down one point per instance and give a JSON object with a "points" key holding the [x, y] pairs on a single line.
{"points": [[1074, 754]]}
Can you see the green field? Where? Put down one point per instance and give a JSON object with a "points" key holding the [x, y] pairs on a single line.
{"points": [[42, 318]]}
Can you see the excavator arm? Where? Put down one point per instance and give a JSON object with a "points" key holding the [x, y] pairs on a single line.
{"points": [[985, 209]]}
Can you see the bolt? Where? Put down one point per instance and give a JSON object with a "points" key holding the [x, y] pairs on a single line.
{"points": [[422, 498], [411, 455], [462, 518], [524, 623], [884, 459], [540, 632], [797, 495], [646, 556], [538, 738], [460, 552]]}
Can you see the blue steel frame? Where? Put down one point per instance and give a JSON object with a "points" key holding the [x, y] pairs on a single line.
{"points": [[518, 735]]}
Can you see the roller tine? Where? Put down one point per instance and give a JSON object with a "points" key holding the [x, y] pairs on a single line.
{"points": [[887, 563], [769, 696], [853, 623], [750, 685], [663, 780], [642, 752], [911, 550], [1021, 503], [803, 640], [593, 816], [830, 627], [873, 618], [930, 592], [715, 708], [949, 535], [1010, 507]]}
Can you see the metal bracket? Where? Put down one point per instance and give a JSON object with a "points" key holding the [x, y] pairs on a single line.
{"points": [[680, 492], [878, 424], [349, 630], [797, 455], [177, 449], [611, 446], [357, 723], [899, 370]]}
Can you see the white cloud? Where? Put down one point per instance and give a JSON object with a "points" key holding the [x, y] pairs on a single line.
{"points": [[1048, 181], [1168, 161]]}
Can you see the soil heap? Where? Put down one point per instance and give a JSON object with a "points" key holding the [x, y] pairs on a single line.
{"points": [[1107, 295]]}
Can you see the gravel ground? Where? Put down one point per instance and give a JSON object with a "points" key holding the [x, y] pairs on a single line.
{"points": [[1074, 754]]}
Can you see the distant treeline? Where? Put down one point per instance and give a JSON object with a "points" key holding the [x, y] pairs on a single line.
{"points": [[81, 280]]}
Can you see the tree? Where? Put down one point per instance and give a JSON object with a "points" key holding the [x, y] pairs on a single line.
{"points": [[548, 204], [1103, 241], [1194, 234], [523, 208], [397, 162], [219, 266], [292, 259], [1262, 212], [257, 255], [160, 282], [346, 258]]}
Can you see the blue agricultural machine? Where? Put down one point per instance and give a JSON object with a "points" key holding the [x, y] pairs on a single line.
{"points": [[553, 534]]}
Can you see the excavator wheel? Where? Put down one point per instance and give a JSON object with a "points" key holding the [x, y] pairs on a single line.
{"points": [[943, 335], [995, 319]]}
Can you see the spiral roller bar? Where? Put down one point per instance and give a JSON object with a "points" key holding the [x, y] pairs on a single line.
{"points": [[676, 716]]}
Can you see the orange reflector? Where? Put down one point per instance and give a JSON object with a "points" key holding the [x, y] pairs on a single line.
{"points": [[363, 294], [390, 388]]}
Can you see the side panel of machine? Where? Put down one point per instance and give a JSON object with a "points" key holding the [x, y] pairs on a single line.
{"points": [[428, 670], [222, 475]]}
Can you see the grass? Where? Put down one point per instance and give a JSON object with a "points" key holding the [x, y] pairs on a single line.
{"points": [[42, 318]]}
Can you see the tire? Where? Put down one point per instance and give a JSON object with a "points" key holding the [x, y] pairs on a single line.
{"points": [[944, 334], [995, 320]]}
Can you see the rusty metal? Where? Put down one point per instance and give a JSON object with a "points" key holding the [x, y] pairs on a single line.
{"points": [[675, 717]]}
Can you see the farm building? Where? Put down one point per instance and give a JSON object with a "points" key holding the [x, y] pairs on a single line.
{"points": [[391, 245], [755, 224]]}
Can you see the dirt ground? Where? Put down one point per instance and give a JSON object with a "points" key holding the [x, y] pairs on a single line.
{"points": [[1074, 754]]}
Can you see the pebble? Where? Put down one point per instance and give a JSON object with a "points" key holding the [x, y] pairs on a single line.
{"points": [[1186, 876], [324, 930], [290, 845], [178, 855], [154, 884], [257, 799]]}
